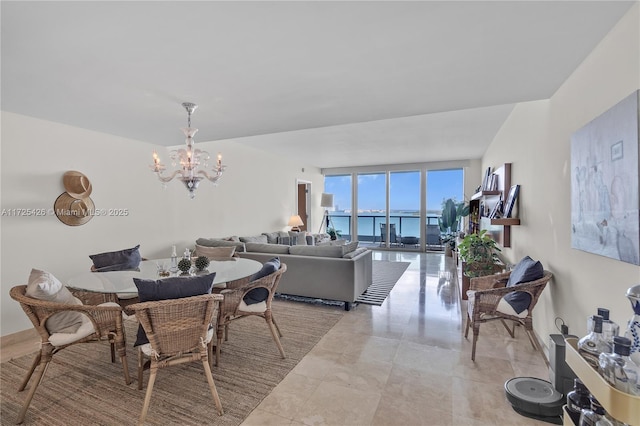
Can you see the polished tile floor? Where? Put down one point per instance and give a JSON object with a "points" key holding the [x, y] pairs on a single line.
{"points": [[405, 362]]}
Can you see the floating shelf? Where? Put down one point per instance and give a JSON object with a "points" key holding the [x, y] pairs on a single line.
{"points": [[481, 194], [622, 406], [508, 221]]}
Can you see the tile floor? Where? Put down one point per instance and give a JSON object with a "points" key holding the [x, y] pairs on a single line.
{"points": [[405, 362]]}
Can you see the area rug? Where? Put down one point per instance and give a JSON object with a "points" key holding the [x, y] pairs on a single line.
{"points": [[83, 387], [385, 275]]}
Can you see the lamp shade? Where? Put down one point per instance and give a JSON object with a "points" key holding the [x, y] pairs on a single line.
{"points": [[295, 221], [326, 200]]}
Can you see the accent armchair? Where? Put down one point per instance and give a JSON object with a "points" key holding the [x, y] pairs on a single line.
{"points": [[486, 303], [99, 323], [234, 307]]}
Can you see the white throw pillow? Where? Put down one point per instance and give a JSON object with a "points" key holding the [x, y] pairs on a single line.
{"points": [[43, 285], [298, 238]]}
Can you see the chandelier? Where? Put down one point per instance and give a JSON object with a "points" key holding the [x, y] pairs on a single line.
{"points": [[191, 162]]}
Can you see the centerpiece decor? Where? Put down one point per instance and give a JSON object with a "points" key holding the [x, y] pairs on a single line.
{"points": [[184, 265], [202, 262]]}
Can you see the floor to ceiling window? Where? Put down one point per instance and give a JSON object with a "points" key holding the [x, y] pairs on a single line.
{"points": [[395, 197], [404, 207], [372, 205], [340, 213]]}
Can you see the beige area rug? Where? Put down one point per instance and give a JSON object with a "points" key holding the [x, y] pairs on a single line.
{"points": [[82, 386]]}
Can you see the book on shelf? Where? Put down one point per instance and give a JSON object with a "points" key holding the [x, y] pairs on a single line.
{"points": [[486, 180]]}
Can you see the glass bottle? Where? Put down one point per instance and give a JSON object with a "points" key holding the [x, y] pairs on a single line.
{"points": [[618, 369], [633, 326], [187, 254], [609, 328], [593, 344], [174, 260], [577, 399], [594, 415]]}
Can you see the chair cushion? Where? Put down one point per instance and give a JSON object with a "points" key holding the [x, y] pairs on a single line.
{"points": [[120, 260], [260, 294], [506, 308], [253, 307], [525, 271], [215, 252], [86, 329], [170, 288], [43, 285]]}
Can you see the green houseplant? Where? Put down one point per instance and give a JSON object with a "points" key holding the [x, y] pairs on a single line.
{"points": [[333, 233], [449, 221], [479, 252]]}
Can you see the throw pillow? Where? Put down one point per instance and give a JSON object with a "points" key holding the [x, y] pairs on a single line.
{"points": [[284, 240], [43, 285], [170, 288], [260, 294], [298, 238], [215, 252], [213, 242], [525, 271], [272, 237], [120, 260], [349, 247]]}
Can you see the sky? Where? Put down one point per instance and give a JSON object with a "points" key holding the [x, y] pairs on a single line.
{"points": [[404, 190]]}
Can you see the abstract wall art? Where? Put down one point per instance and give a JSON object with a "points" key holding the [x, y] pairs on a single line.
{"points": [[605, 207]]}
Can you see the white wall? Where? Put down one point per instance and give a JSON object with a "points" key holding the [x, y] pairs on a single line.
{"points": [[256, 194], [536, 139]]}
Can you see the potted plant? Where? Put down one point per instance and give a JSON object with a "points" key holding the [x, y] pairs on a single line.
{"points": [[333, 233], [449, 222], [479, 252]]}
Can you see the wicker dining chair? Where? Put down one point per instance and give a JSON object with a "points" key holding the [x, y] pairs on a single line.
{"points": [[179, 331], [485, 294], [233, 307], [102, 323]]}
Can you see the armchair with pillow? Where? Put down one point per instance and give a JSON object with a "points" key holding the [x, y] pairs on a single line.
{"points": [[507, 296], [62, 320]]}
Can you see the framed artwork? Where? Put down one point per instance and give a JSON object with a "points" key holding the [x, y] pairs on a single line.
{"points": [[605, 211], [510, 201]]}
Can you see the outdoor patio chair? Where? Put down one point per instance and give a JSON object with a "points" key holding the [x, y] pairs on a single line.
{"points": [[486, 303], [179, 331], [98, 323], [394, 239], [235, 306]]}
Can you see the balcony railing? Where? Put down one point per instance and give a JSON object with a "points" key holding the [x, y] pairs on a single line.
{"points": [[369, 225]]}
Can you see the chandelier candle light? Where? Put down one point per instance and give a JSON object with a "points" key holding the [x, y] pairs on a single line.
{"points": [[190, 159]]}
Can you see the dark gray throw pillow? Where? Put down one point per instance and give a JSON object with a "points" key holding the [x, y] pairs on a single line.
{"points": [[260, 294], [525, 271], [120, 260], [170, 288]]}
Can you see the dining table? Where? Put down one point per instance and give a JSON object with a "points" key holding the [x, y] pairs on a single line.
{"points": [[121, 282]]}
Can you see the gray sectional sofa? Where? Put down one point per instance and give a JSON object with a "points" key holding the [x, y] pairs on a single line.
{"points": [[334, 272]]}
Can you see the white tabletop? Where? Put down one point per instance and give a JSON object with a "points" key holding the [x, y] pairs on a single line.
{"points": [[122, 281]]}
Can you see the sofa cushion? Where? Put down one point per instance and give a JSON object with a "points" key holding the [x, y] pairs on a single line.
{"points": [[319, 251], [215, 252], [254, 239], [119, 260], [217, 242], [43, 285], [267, 248], [272, 237], [338, 242], [355, 253], [260, 294], [170, 288]]}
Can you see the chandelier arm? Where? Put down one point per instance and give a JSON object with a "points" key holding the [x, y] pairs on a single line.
{"points": [[214, 178], [167, 178]]}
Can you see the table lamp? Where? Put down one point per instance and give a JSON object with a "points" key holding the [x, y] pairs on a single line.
{"points": [[295, 222]]}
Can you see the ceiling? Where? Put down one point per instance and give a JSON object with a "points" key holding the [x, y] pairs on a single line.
{"points": [[334, 84]]}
